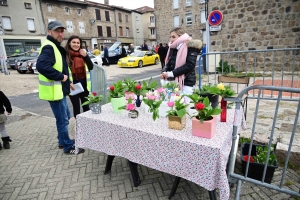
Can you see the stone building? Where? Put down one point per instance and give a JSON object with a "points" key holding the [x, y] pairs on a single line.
{"points": [[247, 25], [149, 27], [137, 30], [21, 31]]}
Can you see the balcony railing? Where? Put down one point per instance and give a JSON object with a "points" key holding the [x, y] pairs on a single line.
{"points": [[151, 25], [152, 37]]}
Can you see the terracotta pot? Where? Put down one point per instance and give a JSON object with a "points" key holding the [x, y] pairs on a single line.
{"points": [[176, 122], [207, 129]]}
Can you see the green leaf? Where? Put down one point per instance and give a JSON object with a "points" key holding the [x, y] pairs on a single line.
{"points": [[206, 102], [181, 113]]}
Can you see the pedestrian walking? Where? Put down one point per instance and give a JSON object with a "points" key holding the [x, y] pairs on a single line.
{"points": [[181, 60], [80, 65], [4, 105], [162, 52], [54, 82], [106, 55]]}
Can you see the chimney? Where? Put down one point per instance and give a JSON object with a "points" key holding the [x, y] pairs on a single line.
{"points": [[106, 2]]}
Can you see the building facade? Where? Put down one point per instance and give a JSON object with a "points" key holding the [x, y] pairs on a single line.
{"points": [[20, 32], [247, 25], [137, 30]]}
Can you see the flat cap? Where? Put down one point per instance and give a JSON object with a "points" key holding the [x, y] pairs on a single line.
{"points": [[53, 25]]}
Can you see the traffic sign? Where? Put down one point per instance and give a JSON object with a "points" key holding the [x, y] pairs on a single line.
{"points": [[215, 18]]}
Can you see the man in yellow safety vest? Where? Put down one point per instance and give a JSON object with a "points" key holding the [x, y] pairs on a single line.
{"points": [[54, 82]]}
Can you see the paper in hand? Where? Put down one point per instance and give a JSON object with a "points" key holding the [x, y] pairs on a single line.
{"points": [[77, 89]]}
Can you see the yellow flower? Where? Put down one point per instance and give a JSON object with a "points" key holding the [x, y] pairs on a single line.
{"points": [[176, 89], [221, 86]]}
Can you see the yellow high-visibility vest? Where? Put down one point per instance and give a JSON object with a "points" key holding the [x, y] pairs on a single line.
{"points": [[88, 77], [51, 90]]}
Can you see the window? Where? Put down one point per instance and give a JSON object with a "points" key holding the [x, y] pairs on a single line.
{"points": [[196, 19], [6, 23], [126, 18], [137, 18], [81, 27], [152, 19], [127, 32], [98, 16], [107, 18], [120, 17], [49, 7], [70, 26], [3, 2], [176, 21], [137, 30], [188, 2], [203, 17], [175, 4], [100, 33], [188, 18], [108, 30], [30, 24], [121, 30], [27, 5], [152, 31], [79, 12], [67, 10]]}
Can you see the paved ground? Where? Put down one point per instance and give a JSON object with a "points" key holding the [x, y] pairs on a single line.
{"points": [[34, 168]]}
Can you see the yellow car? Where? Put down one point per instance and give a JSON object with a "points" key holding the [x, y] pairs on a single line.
{"points": [[139, 59]]}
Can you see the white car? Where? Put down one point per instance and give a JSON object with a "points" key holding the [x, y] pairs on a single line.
{"points": [[95, 59]]}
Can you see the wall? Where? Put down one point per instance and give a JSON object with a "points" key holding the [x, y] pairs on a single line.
{"points": [[137, 24]]}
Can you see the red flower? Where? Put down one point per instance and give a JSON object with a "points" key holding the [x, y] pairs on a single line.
{"points": [[246, 158], [138, 87], [199, 106], [112, 88], [94, 93]]}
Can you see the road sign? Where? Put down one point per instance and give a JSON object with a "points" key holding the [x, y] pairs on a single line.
{"points": [[215, 28], [215, 18]]}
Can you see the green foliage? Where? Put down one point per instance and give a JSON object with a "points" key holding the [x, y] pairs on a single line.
{"points": [[195, 98], [171, 85], [153, 107], [179, 108], [149, 86], [93, 98], [130, 84], [261, 156], [206, 89], [117, 90], [124, 107], [225, 68], [244, 140]]}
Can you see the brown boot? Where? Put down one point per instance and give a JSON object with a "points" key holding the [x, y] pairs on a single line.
{"points": [[6, 141]]}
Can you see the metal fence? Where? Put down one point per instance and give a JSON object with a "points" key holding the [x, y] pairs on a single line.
{"points": [[99, 81], [261, 181], [273, 67]]}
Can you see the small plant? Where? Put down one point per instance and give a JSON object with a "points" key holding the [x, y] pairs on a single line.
{"points": [[152, 101], [205, 111], [149, 86], [178, 108], [171, 86], [117, 90], [244, 140], [225, 68], [130, 84], [129, 106], [261, 156], [93, 98]]}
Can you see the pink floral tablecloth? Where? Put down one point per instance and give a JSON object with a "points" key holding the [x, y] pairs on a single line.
{"points": [[152, 144]]}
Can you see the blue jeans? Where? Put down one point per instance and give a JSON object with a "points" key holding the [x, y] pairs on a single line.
{"points": [[61, 112]]}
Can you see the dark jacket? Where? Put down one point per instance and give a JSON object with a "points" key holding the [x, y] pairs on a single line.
{"points": [[105, 52], [4, 102], [45, 63], [162, 52], [189, 67]]}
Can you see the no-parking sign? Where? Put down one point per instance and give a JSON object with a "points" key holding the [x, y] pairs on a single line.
{"points": [[215, 18]]}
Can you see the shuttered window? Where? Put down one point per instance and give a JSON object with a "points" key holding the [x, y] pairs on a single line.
{"points": [[107, 18], [108, 30], [30, 24], [98, 16], [100, 33], [6, 23]]}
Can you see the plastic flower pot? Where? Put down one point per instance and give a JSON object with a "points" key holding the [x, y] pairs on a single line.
{"points": [[256, 170], [207, 129], [116, 103]]}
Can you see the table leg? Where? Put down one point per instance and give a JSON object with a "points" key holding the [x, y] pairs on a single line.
{"points": [[134, 173], [212, 195], [175, 186], [109, 161]]}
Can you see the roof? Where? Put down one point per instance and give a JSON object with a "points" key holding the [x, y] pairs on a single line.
{"points": [[144, 9], [73, 1]]}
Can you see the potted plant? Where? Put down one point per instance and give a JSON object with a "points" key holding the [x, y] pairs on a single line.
{"points": [[149, 86], [209, 91], [133, 113], [257, 160], [177, 114], [129, 88], [138, 90], [116, 94], [204, 120], [94, 102], [153, 102]]}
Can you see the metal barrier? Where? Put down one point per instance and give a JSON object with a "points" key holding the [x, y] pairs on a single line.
{"points": [[236, 178], [99, 81], [274, 67]]}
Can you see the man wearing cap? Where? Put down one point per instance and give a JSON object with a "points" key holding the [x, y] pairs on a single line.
{"points": [[54, 82]]}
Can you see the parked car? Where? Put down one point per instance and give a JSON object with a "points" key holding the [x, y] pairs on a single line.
{"points": [[95, 59], [11, 60], [21, 64], [113, 56], [139, 59]]}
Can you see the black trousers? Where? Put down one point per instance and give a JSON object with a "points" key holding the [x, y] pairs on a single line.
{"points": [[77, 100], [162, 62]]}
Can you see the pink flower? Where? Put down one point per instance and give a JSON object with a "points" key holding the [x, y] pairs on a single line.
{"points": [[130, 106], [170, 103], [160, 90], [151, 97]]}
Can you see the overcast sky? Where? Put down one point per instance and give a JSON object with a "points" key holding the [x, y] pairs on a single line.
{"points": [[131, 4]]}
